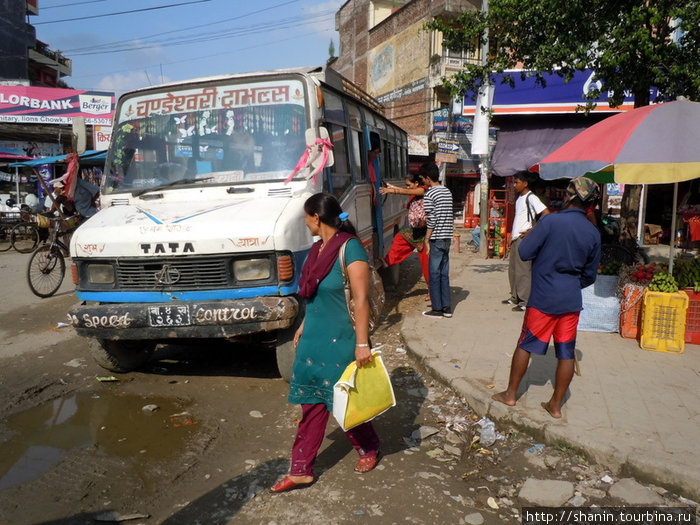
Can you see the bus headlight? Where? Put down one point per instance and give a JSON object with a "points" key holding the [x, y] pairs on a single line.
{"points": [[100, 274], [251, 269]]}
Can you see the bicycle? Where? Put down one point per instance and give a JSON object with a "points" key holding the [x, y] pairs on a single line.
{"points": [[25, 235], [47, 265], [8, 219], [612, 250], [617, 252]]}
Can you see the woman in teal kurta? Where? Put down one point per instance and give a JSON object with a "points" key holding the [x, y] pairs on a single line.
{"points": [[327, 345], [327, 342]]}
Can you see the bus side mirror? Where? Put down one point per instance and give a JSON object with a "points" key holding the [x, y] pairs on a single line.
{"points": [[317, 152], [79, 135]]}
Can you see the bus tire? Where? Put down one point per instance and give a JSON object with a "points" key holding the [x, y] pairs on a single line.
{"points": [[285, 358], [284, 347], [121, 356]]}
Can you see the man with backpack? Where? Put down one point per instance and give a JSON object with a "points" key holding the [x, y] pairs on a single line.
{"points": [[528, 208]]}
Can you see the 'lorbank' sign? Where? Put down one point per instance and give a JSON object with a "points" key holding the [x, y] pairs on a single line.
{"points": [[27, 104]]}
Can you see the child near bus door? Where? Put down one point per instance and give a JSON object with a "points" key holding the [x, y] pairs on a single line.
{"points": [[411, 238]]}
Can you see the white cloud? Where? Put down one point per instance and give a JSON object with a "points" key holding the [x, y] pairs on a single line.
{"points": [[122, 82], [323, 26]]}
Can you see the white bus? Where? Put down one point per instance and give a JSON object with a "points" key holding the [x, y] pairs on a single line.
{"points": [[201, 231]]}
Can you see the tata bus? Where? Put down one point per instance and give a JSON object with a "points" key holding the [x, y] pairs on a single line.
{"points": [[201, 230]]}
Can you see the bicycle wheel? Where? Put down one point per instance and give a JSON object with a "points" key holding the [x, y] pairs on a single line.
{"points": [[5, 240], [45, 271], [24, 237]]}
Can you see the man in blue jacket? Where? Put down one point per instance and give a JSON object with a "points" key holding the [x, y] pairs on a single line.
{"points": [[565, 250]]}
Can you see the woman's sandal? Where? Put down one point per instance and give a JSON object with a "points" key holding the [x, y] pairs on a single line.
{"points": [[286, 484], [366, 464]]}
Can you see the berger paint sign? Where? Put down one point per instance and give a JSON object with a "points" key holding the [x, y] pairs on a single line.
{"points": [[28, 104]]}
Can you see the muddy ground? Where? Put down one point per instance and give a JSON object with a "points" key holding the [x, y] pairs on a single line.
{"points": [[204, 430]]}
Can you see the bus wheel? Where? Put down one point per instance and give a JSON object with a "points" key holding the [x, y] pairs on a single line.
{"points": [[285, 352], [121, 356]]}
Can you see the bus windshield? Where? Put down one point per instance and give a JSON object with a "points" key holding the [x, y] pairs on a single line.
{"points": [[216, 134]]}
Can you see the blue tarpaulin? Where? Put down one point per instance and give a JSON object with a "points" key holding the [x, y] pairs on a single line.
{"points": [[89, 155]]}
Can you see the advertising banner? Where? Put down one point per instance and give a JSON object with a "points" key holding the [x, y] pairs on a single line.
{"points": [[40, 105]]}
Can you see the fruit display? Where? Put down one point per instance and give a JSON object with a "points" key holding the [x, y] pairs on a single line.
{"points": [[642, 274], [663, 282], [611, 268], [687, 273]]}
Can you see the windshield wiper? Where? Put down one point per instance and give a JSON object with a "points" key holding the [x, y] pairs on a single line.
{"points": [[178, 182]]}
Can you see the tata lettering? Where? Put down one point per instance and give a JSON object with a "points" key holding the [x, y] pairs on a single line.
{"points": [[167, 247]]}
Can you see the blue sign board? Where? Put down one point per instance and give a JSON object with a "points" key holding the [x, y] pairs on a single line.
{"points": [[557, 97]]}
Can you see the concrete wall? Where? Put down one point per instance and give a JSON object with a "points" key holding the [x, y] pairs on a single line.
{"points": [[15, 37]]}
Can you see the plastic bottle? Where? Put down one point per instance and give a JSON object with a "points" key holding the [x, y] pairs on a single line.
{"points": [[488, 433]]}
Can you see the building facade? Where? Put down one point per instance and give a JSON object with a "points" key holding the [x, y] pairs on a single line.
{"points": [[23, 58], [385, 50]]}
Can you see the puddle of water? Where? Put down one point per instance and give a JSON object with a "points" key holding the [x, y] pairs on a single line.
{"points": [[113, 423]]}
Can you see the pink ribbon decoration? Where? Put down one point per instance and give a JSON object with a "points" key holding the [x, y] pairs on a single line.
{"points": [[325, 145]]}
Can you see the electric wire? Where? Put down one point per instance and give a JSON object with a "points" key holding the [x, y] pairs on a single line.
{"points": [[188, 28], [120, 12], [217, 35], [44, 8]]}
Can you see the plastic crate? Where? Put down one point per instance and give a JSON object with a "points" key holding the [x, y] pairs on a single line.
{"points": [[663, 321], [631, 310], [692, 317]]}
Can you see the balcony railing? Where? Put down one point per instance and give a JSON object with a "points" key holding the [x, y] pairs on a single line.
{"points": [[41, 54], [447, 65]]}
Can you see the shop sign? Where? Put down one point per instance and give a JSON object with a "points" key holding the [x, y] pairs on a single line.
{"points": [[457, 144], [448, 146], [30, 104], [445, 157], [418, 145], [558, 97], [101, 136]]}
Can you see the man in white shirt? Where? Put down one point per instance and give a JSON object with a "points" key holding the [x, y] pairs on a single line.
{"points": [[528, 208]]}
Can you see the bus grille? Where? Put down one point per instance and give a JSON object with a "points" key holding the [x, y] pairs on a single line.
{"points": [[173, 273]]}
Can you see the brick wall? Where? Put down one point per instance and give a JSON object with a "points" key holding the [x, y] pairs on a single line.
{"points": [[358, 40]]}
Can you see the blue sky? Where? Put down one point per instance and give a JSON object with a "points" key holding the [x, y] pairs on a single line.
{"points": [[197, 38]]}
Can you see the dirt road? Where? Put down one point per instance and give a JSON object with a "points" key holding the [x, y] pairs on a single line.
{"points": [[204, 430]]}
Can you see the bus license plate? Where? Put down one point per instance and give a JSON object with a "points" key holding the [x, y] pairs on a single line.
{"points": [[169, 315]]}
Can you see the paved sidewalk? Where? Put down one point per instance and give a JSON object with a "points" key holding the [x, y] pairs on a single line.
{"points": [[635, 411]]}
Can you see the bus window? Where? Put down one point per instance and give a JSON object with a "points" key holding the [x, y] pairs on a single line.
{"points": [[356, 139], [389, 157], [333, 107], [355, 118], [341, 178]]}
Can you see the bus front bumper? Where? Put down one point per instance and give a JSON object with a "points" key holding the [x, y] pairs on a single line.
{"points": [[211, 319]]}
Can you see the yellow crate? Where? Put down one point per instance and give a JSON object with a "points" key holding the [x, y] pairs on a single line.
{"points": [[663, 321]]}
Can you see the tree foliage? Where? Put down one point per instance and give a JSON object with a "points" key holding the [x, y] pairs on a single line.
{"points": [[628, 43]]}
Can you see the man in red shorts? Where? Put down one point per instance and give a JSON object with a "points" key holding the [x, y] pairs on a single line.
{"points": [[565, 250]]}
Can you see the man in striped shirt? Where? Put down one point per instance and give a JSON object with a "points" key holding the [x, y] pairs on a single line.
{"points": [[438, 208]]}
